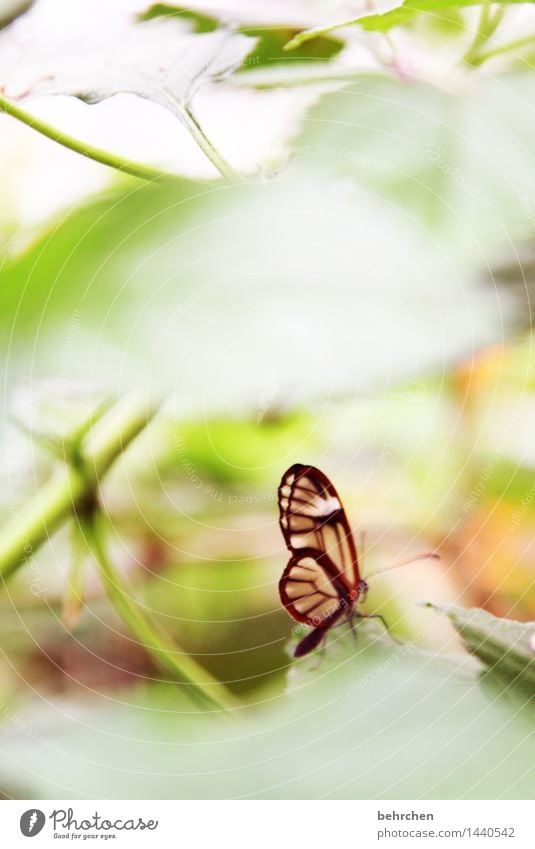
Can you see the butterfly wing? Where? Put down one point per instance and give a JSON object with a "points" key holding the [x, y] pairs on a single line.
{"points": [[311, 590], [312, 518]]}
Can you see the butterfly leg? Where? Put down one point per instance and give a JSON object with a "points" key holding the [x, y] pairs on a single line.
{"points": [[351, 619], [385, 626]]}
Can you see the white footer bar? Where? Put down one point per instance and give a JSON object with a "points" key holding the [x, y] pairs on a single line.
{"points": [[269, 824]]}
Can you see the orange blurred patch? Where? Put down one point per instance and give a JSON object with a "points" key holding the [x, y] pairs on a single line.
{"points": [[496, 555]]}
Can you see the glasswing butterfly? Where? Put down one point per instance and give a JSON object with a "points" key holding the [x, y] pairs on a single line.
{"points": [[321, 583]]}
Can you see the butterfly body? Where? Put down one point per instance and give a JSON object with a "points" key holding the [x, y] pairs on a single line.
{"points": [[321, 584]]}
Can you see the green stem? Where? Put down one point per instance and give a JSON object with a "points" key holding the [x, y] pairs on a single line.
{"points": [[506, 48], [63, 449], [487, 25], [127, 166], [54, 503], [202, 689], [479, 36], [188, 119], [74, 594]]}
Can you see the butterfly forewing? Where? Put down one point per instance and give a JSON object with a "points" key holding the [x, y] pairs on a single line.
{"points": [[312, 518]]}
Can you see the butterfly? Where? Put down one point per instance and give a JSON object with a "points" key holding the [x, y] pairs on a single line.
{"points": [[321, 585]]}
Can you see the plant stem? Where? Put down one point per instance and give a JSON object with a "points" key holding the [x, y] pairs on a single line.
{"points": [[127, 166], [480, 35], [74, 594], [54, 503], [201, 688], [506, 48], [188, 119], [486, 27], [135, 169], [73, 491]]}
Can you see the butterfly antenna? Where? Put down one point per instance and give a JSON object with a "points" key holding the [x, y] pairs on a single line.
{"points": [[430, 555], [362, 545]]}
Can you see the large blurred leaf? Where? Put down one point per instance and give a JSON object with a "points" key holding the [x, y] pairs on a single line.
{"points": [[248, 299], [158, 59], [373, 720], [458, 157]]}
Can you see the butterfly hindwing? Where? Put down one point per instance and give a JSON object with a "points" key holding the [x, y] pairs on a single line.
{"points": [[312, 518], [311, 589]]}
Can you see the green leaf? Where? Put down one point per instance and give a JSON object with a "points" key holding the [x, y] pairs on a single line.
{"points": [[159, 60], [420, 146], [271, 41], [200, 22], [290, 262], [397, 13], [504, 646], [372, 720], [269, 66]]}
